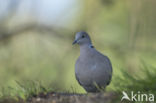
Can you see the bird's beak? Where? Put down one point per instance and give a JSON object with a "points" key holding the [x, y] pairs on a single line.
{"points": [[74, 42]]}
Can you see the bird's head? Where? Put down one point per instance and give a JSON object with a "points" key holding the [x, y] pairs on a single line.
{"points": [[82, 38]]}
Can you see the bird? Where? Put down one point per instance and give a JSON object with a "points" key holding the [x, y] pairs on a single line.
{"points": [[93, 70]]}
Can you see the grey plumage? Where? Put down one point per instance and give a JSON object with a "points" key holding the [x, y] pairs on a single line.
{"points": [[91, 67]]}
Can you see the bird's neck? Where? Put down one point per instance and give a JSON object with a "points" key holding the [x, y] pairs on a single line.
{"points": [[85, 49]]}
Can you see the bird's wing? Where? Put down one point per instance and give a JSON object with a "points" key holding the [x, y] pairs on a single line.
{"points": [[77, 79], [109, 79], [105, 64]]}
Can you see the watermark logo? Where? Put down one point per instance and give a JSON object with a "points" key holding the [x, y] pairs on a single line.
{"points": [[137, 96], [125, 96]]}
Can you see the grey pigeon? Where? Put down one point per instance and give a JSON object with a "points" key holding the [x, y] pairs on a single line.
{"points": [[93, 70]]}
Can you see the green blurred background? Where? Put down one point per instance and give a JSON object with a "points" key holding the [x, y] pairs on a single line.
{"points": [[36, 38]]}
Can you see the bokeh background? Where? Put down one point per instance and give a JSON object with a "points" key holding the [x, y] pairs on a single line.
{"points": [[36, 38]]}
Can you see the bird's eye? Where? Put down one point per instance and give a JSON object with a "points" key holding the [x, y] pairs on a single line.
{"points": [[83, 36]]}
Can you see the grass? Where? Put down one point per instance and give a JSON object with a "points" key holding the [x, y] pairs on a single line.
{"points": [[135, 82], [145, 83], [24, 90]]}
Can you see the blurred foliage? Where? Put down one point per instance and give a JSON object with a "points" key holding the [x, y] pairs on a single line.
{"points": [[144, 81], [26, 90], [107, 2], [124, 30]]}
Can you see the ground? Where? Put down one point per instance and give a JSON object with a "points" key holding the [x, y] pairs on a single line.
{"points": [[68, 98]]}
